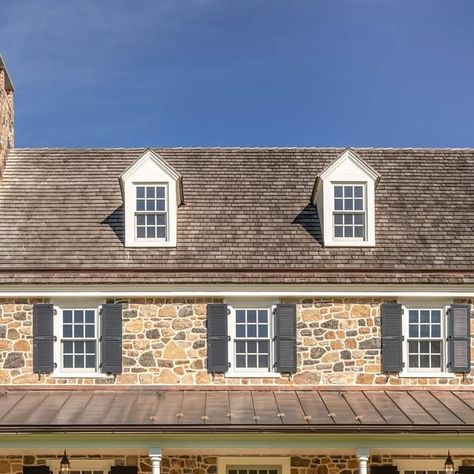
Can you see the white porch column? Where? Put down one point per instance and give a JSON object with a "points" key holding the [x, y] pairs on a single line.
{"points": [[363, 457], [155, 457]]}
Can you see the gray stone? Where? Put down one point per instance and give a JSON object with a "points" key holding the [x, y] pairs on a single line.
{"points": [[305, 332], [317, 352], [3, 332], [153, 334], [147, 359], [199, 344], [20, 316], [180, 336], [297, 461], [352, 333], [198, 330], [185, 311], [373, 343], [338, 367], [128, 361], [14, 360], [345, 355], [330, 324], [130, 313]]}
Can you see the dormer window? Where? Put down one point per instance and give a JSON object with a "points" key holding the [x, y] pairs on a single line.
{"points": [[344, 194], [349, 211], [152, 193], [151, 215]]}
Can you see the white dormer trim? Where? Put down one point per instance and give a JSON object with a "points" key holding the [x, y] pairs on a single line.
{"points": [[347, 169], [151, 170]]}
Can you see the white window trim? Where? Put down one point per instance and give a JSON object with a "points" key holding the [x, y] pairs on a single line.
{"points": [[83, 465], [345, 240], [348, 168], [283, 462], [58, 330], [150, 169], [425, 304], [254, 373], [145, 240]]}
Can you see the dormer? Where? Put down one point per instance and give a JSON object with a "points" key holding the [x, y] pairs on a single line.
{"points": [[152, 191], [344, 194]]}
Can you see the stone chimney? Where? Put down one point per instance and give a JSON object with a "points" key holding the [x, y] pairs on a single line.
{"points": [[6, 114]]}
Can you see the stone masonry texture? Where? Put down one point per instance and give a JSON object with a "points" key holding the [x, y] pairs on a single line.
{"points": [[6, 120], [164, 342]]}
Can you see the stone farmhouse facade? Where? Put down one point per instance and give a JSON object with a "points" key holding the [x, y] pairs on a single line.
{"points": [[235, 311]]}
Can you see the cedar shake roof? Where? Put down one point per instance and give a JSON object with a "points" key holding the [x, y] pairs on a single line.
{"points": [[237, 409], [247, 218]]}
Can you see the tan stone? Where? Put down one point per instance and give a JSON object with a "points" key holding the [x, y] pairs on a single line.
{"points": [[310, 315], [134, 326], [181, 323], [149, 311], [331, 356], [27, 378], [127, 379], [22, 346], [5, 467], [203, 377], [167, 311], [360, 311], [173, 351], [166, 376]]}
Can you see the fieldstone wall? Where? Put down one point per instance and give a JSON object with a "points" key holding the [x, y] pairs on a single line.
{"points": [[164, 342]]}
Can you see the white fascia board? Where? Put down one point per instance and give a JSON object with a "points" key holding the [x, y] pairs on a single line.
{"points": [[236, 291]]}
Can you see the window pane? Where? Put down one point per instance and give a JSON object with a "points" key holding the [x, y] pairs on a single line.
{"points": [[161, 232], [240, 347], [424, 316], [424, 347], [348, 191], [141, 232], [436, 316], [338, 204], [436, 347], [140, 204], [90, 315], [140, 192], [150, 191], [263, 347], [413, 331], [240, 361], [67, 361], [262, 361], [252, 361], [140, 219], [90, 347], [251, 316], [424, 361], [413, 316], [67, 316], [252, 347], [262, 330], [90, 330], [262, 316], [150, 205], [161, 219], [348, 204], [160, 192], [79, 347], [339, 231], [337, 191], [412, 346], [240, 330], [424, 330], [150, 232], [67, 330], [160, 206], [358, 191], [338, 219], [78, 316], [348, 219], [436, 361], [413, 361], [90, 361], [67, 347], [240, 316], [436, 330], [358, 204], [358, 219], [252, 330], [359, 232], [348, 232], [79, 361], [78, 330]]}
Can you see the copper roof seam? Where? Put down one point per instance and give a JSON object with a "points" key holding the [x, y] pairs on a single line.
{"points": [[422, 408], [356, 416], [14, 405], [205, 417], [327, 409], [63, 403], [255, 416], [279, 412], [180, 413], [398, 406], [375, 408], [131, 405], [307, 417], [446, 406], [459, 398]]}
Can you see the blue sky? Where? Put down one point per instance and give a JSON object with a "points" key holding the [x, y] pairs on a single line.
{"points": [[241, 72]]}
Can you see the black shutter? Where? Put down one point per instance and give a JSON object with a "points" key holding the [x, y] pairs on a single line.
{"points": [[285, 338], [36, 470], [217, 338], [123, 470], [459, 338], [111, 338], [43, 338], [392, 338], [384, 469]]}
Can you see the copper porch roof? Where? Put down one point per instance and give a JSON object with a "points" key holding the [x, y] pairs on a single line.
{"points": [[237, 409], [247, 218]]}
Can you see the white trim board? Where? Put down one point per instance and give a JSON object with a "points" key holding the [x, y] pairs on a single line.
{"points": [[234, 291]]}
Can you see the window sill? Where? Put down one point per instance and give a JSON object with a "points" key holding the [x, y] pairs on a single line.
{"points": [[349, 243], [252, 375], [435, 375], [79, 375]]}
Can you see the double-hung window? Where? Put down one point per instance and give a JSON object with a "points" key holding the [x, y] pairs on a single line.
{"points": [[250, 344], [425, 341], [77, 340], [349, 216], [151, 212]]}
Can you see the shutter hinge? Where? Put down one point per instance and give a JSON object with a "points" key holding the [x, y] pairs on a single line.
{"points": [[228, 338], [55, 338], [229, 365], [55, 365], [228, 311], [55, 312], [403, 364]]}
